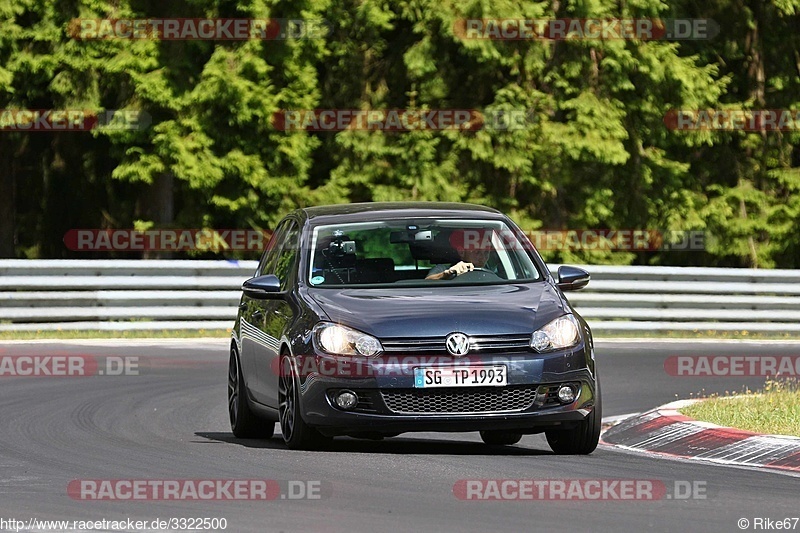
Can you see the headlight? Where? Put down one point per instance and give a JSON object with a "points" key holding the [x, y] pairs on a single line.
{"points": [[341, 340], [560, 333]]}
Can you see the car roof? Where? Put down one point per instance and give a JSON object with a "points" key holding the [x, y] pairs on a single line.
{"points": [[373, 210]]}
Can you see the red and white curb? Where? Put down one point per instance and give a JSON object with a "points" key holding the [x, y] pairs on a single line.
{"points": [[667, 432]]}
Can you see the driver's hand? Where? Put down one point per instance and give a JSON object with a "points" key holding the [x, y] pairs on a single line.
{"points": [[460, 268]]}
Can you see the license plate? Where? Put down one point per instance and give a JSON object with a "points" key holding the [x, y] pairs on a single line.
{"points": [[460, 376]]}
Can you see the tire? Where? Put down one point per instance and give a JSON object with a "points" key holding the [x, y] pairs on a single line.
{"points": [[296, 433], [500, 438], [244, 423], [583, 439]]}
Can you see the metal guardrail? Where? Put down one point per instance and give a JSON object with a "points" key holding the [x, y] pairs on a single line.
{"points": [[120, 294], [184, 294]]}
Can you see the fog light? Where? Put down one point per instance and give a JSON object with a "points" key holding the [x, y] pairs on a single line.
{"points": [[346, 400], [566, 394]]}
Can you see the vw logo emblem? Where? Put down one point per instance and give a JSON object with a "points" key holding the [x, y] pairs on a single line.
{"points": [[457, 344]]}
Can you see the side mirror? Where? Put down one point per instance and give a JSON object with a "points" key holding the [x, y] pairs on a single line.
{"points": [[572, 278], [262, 287]]}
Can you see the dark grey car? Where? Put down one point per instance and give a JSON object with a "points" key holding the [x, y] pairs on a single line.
{"points": [[375, 319]]}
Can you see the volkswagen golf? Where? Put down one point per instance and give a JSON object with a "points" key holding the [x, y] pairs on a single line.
{"points": [[375, 319]]}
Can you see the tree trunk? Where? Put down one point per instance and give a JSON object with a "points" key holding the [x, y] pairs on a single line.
{"points": [[158, 205], [8, 209], [757, 77]]}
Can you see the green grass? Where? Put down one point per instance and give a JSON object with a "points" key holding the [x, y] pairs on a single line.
{"points": [[96, 334], [773, 410]]}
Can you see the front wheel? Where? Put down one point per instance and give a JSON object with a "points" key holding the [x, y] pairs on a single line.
{"points": [[583, 439], [296, 433]]}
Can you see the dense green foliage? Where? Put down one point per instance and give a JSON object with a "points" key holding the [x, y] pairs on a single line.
{"points": [[596, 155]]}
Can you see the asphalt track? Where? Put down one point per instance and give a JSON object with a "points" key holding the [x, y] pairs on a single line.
{"points": [[170, 422]]}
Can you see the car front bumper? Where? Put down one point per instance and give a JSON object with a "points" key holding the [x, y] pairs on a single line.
{"points": [[381, 386]]}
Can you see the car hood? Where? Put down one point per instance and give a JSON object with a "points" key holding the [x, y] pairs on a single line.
{"points": [[437, 311]]}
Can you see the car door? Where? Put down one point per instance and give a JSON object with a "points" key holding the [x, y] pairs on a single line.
{"points": [[277, 315], [252, 312]]}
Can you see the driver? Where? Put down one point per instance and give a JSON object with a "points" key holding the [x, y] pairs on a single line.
{"points": [[472, 246]]}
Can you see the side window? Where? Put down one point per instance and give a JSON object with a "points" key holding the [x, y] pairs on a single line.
{"points": [[272, 250], [287, 257]]}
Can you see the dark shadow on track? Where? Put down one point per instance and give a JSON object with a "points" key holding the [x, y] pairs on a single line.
{"points": [[394, 445]]}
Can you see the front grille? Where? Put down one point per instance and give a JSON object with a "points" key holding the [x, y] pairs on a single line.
{"points": [[477, 343], [495, 400]]}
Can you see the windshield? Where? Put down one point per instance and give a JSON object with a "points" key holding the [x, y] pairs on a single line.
{"points": [[425, 252]]}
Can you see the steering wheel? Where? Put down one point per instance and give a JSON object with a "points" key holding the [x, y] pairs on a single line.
{"points": [[479, 274]]}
